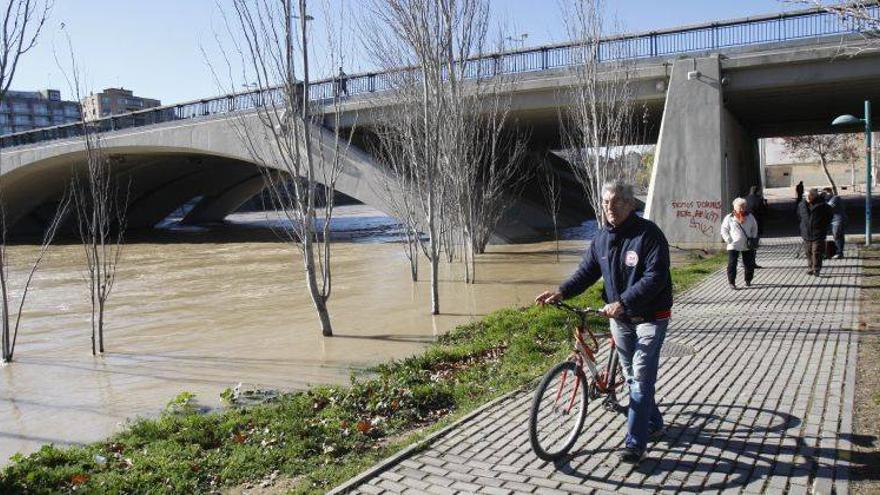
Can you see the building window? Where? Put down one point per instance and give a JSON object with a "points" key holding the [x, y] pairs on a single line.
{"points": [[23, 119], [41, 121], [40, 109], [20, 107], [58, 112], [7, 129], [71, 111], [105, 100]]}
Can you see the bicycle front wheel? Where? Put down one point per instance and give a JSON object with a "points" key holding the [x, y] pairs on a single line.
{"points": [[558, 411]]}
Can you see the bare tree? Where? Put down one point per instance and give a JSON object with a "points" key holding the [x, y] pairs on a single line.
{"points": [[552, 191], [101, 203], [825, 147], [23, 21], [425, 46], [100, 200], [396, 186], [490, 176], [10, 328], [860, 15], [601, 120], [285, 132]]}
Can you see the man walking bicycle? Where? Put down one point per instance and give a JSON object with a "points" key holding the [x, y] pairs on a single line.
{"points": [[632, 257]]}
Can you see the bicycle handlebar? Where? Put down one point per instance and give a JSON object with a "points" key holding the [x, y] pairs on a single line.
{"points": [[578, 311]]}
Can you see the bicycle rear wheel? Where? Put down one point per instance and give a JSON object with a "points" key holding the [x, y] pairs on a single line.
{"points": [[558, 411]]}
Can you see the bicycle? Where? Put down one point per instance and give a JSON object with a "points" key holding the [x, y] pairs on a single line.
{"points": [[554, 426]]}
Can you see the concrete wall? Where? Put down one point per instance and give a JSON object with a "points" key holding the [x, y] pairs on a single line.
{"points": [[787, 175], [688, 183], [741, 161]]}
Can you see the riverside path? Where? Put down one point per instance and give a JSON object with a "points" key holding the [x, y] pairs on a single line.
{"points": [[756, 387]]}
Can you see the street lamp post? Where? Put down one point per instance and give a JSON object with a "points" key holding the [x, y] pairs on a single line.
{"points": [[850, 120]]}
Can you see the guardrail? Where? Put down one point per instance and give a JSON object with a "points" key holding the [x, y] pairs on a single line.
{"points": [[789, 26]]}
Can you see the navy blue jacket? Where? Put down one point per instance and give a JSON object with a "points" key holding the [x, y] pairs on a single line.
{"points": [[633, 260]]}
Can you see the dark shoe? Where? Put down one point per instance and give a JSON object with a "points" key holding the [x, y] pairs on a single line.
{"points": [[810, 272], [838, 257], [758, 266], [732, 286], [631, 455], [748, 284]]}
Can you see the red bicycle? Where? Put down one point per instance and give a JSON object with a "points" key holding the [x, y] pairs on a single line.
{"points": [[559, 407]]}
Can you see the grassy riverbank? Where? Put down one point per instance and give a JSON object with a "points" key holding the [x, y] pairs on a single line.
{"points": [[317, 439]]}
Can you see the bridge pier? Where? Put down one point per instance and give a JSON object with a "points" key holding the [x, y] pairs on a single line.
{"points": [[704, 157]]}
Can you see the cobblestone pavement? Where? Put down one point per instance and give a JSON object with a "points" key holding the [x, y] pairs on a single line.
{"points": [[756, 387]]}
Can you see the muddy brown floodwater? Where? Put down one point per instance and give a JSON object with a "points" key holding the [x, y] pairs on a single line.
{"points": [[204, 316]]}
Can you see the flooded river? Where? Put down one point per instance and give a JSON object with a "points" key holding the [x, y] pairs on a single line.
{"points": [[202, 315]]}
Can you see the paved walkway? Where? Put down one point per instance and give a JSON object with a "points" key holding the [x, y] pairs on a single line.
{"points": [[756, 387]]}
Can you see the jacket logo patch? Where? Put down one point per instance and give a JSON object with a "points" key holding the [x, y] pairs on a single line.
{"points": [[631, 258]]}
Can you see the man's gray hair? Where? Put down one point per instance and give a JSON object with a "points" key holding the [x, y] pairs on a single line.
{"points": [[620, 190], [813, 192]]}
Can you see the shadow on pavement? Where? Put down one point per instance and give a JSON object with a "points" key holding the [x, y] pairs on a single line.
{"points": [[735, 452]]}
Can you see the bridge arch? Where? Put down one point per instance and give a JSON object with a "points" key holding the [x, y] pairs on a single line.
{"points": [[166, 166]]}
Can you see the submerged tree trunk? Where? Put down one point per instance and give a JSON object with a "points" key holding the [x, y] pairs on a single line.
{"points": [[7, 345]]}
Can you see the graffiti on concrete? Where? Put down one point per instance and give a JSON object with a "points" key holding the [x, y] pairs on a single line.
{"points": [[701, 215]]}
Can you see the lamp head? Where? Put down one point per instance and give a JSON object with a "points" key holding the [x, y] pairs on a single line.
{"points": [[847, 120]]}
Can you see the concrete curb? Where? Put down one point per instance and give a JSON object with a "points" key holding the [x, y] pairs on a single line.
{"points": [[394, 459]]}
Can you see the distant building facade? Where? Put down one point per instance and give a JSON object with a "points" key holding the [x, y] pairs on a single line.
{"points": [[26, 110], [782, 169], [113, 101]]}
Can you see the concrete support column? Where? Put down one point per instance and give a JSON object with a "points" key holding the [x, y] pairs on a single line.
{"points": [[704, 157]]}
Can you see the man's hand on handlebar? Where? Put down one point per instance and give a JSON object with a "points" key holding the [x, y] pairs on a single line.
{"points": [[612, 310], [548, 297]]}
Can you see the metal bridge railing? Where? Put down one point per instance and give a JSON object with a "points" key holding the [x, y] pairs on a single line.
{"points": [[790, 26]]}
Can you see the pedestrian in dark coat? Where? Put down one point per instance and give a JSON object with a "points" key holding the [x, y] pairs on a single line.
{"points": [[799, 192], [815, 219], [838, 221]]}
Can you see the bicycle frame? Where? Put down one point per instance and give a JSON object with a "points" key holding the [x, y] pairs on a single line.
{"points": [[604, 382]]}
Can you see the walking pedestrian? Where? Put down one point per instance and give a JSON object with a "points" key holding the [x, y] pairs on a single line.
{"points": [[341, 83], [838, 221], [757, 205], [740, 231], [815, 218], [632, 257], [799, 196]]}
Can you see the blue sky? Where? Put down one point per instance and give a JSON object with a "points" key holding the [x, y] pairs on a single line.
{"points": [[153, 47]]}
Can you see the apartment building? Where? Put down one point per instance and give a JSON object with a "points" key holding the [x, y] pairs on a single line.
{"points": [[27, 110], [113, 101]]}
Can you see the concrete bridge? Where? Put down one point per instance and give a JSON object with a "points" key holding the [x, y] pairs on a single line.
{"points": [[710, 92]]}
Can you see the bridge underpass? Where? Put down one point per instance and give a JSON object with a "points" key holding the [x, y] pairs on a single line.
{"points": [[705, 128]]}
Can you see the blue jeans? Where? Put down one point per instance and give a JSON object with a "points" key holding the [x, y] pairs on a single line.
{"points": [[838, 231], [638, 346]]}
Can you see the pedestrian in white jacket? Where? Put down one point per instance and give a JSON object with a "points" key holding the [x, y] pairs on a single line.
{"points": [[737, 227]]}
